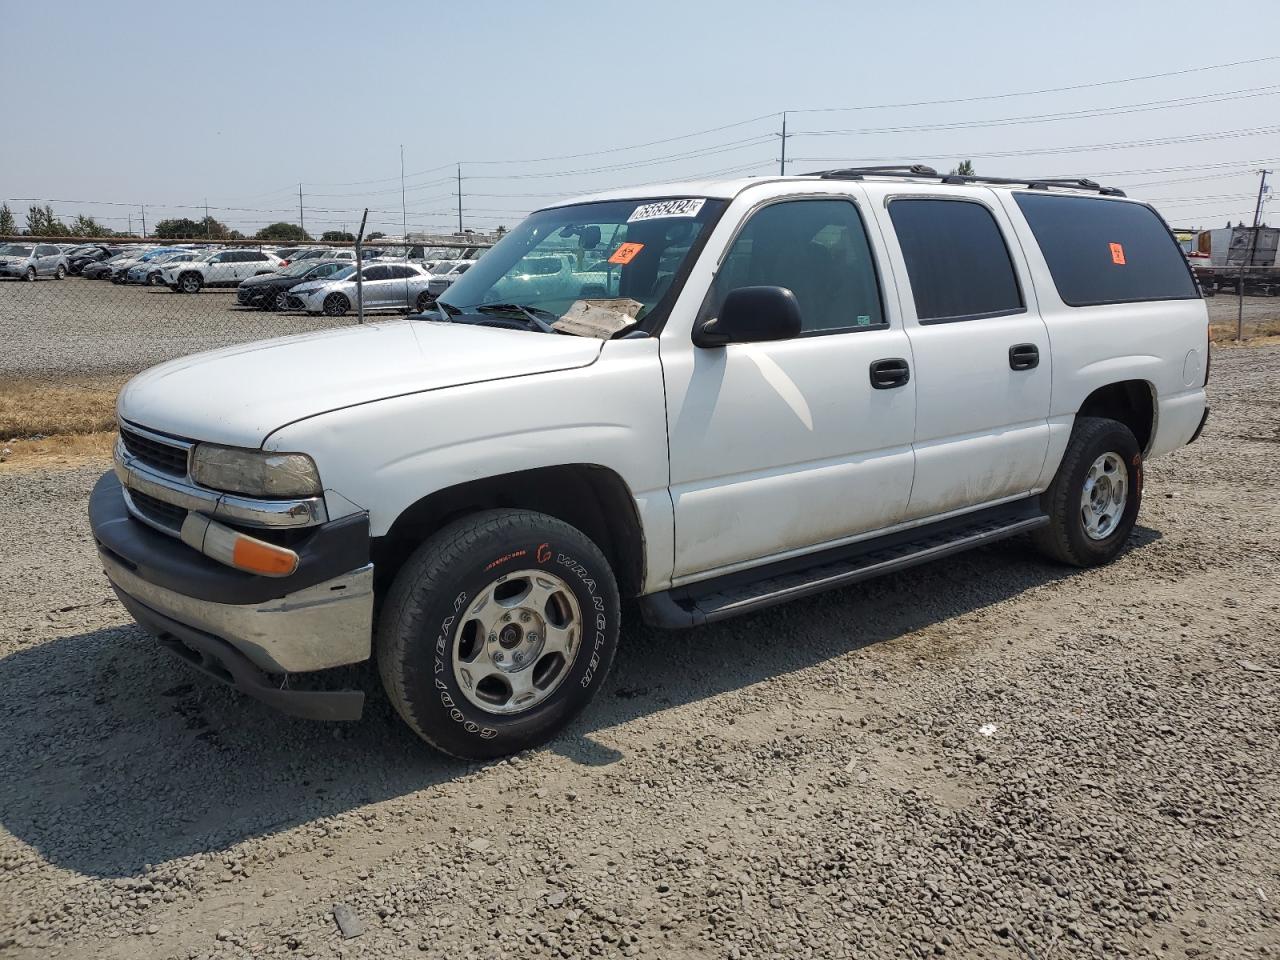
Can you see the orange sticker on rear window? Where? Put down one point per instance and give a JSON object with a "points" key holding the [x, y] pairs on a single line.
{"points": [[1117, 254], [626, 253]]}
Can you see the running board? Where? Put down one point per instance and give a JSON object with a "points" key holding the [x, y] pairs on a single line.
{"points": [[752, 590]]}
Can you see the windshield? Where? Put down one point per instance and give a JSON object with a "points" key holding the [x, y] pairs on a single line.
{"points": [[297, 269], [15, 250], [614, 250], [343, 274]]}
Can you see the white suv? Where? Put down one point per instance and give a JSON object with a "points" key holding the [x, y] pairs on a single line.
{"points": [[225, 268], [743, 392]]}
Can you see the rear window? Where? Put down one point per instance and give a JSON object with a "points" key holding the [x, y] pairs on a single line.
{"points": [[956, 259], [1107, 251]]}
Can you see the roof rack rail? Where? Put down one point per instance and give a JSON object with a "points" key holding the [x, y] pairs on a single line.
{"points": [[920, 171]]}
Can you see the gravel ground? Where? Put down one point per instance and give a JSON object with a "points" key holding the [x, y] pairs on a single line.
{"points": [[989, 756], [91, 327], [94, 327]]}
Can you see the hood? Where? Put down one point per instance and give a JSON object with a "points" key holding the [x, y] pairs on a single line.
{"points": [[260, 279], [239, 395]]}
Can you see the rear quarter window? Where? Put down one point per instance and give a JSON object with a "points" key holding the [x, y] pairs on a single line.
{"points": [[1107, 251]]}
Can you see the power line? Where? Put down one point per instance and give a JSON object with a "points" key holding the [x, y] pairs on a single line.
{"points": [[1043, 90], [1119, 110]]}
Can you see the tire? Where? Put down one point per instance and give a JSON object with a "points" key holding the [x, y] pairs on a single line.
{"points": [[153, 278], [60, 273], [190, 283], [30, 275], [430, 633], [424, 302], [1098, 485], [279, 302], [336, 304]]}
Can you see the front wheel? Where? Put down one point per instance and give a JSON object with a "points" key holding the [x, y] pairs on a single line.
{"points": [[497, 632], [1094, 499], [154, 278], [424, 302], [190, 283], [335, 305], [31, 274]]}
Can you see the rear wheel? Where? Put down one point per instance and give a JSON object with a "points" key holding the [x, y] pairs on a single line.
{"points": [[190, 283], [1094, 499], [60, 273], [336, 304], [497, 632], [424, 302]]}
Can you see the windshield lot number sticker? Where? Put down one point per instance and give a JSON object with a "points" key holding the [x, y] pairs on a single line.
{"points": [[666, 208], [626, 253], [1117, 254]]}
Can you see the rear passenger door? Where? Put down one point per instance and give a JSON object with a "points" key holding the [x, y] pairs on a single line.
{"points": [[377, 286], [981, 351]]}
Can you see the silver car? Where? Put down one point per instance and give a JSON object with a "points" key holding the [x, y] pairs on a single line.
{"points": [[386, 286], [28, 261]]}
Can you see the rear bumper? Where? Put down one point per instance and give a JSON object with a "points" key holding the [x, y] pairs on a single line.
{"points": [[241, 629]]}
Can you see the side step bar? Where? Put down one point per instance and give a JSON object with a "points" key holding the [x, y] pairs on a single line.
{"points": [[753, 590]]}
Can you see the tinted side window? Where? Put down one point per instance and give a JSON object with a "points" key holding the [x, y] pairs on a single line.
{"points": [[818, 250], [253, 256], [956, 259], [377, 273], [402, 273], [1107, 251]]}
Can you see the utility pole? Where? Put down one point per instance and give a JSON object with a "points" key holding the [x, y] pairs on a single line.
{"points": [[302, 224], [404, 217], [208, 227], [1248, 258], [783, 170], [459, 199], [144, 221]]}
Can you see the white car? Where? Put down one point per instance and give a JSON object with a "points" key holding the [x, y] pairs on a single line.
{"points": [[223, 268], [444, 273], [150, 272], [386, 286], [792, 384]]}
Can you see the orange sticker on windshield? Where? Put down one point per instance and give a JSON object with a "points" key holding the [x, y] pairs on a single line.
{"points": [[626, 253], [1117, 254]]}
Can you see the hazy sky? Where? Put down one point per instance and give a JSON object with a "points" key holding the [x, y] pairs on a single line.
{"points": [[236, 103]]}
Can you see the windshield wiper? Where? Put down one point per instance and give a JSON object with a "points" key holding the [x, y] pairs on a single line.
{"points": [[530, 314]]}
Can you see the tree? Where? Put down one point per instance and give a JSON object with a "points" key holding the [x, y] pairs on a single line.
{"points": [[84, 226], [282, 231], [8, 226], [375, 236], [183, 228], [41, 222], [337, 236], [963, 169]]}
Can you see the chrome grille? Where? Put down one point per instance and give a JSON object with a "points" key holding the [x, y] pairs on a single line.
{"points": [[167, 515], [164, 457]]}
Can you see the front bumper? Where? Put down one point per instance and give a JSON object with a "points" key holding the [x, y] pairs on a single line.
{"points": [[245, 630]]}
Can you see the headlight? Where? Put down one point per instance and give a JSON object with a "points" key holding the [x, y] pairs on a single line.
{"points": [[255, 472]]}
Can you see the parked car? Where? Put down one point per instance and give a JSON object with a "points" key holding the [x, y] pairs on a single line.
{"points": [[270, 291], [149, 271], [221, 268], [27, 261], [120, 272], [101, 269], [81, 257], [387, 286], [802, 382], [443, 273]]}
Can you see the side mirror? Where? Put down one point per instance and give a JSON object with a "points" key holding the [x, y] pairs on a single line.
{"points": [[752, 315]]}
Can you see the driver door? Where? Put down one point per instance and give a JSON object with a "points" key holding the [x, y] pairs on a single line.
{"points": [[782, 447]]}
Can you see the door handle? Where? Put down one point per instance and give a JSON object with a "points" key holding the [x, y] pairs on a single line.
{"points": [[1024, 356], [889, 373]]}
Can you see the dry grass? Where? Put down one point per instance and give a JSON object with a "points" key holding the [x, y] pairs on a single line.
{"points": [[65, 450], [47, 408]]}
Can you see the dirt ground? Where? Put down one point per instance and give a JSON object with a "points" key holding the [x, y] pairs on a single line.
{"points": [[988, 756]]}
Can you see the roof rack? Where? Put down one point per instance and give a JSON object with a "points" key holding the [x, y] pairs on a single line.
{"points": [[922, 172]]}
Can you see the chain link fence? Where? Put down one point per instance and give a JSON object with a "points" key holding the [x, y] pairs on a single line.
{"points": [[78, 319]]}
